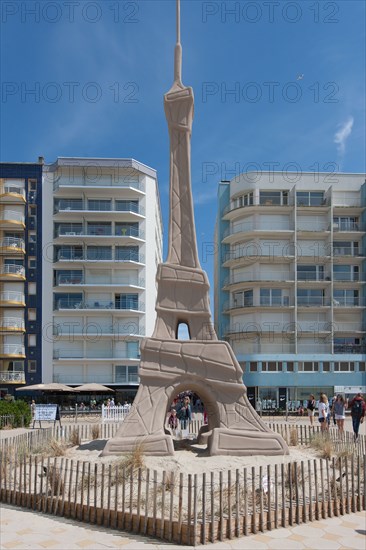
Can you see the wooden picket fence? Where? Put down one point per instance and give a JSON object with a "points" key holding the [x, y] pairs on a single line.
{"points": [[183, 508]]}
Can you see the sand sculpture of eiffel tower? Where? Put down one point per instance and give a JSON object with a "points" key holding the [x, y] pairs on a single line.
{"points": [[202, 364]]}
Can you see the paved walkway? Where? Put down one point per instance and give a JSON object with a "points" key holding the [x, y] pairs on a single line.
{"points": [[21, 528]]}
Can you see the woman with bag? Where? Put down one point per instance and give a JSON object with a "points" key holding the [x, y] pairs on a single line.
{"points": [[311, 409]]}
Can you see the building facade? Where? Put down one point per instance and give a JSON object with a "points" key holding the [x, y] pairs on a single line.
{"points": [[290, 283], [20, 275], [102, 242]]}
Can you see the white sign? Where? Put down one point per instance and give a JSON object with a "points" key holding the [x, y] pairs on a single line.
{"points": [[46, 412], [350, 389]]}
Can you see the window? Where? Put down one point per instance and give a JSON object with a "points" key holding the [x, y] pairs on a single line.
{"points": [[99, 204], [32, 237], [310, 198], [243, 200], [345, 272], [345, 223], [68, 204], [32, 314], [32, 288], [345, 297], [310, 272], [68, 300], [127, 229], [272, 297], [69, 253], [343, 366], [126, 301], [347, 345], [32, 340], [126, 374], [310, 297], [362, 366], [68, 229], [271, 366], [127, 253], [307, 366], [243, 299], [182, 332], [99, 253], [32, 366], [99, 228], [278, 198], [68, 277], [345, 248], [253, 367], [32, 185], [326, 366], [290, 366], [127, 206]]}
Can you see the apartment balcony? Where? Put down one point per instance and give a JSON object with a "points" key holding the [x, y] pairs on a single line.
{"points": [[99, 183], [12, 245], [259, 277], [130, 210], [70, 280], [12, 377], [348, 302], [99, 354], [345, 251], [260, 228], [255, 253], [9, 218], [11, 324], [12, 351], [346, 277], [106, 378], [99, 330], [12, 272], [351, 328], [349, 348], [12, 194], [282, 302], [12, 298], [314, 327], [305, 227], [314, 301], [275, 203], [311, 276], [347, 227], [83, 256], [100, 305], [128, 233]]}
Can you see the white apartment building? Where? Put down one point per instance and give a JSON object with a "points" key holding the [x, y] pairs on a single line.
{"points": [[290, 282], [102, 242]]}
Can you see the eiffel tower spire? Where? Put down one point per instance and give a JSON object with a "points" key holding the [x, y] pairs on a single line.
{"points": [[179, 106]]}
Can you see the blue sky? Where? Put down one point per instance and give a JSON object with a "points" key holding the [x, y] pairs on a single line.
{"points": [[99, 71]]}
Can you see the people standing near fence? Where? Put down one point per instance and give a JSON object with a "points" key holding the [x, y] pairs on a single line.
{"points": [[185, 413], [323, 409], [339, 412], [358, 410], [311, 408], [173, 420], [33, 410]]}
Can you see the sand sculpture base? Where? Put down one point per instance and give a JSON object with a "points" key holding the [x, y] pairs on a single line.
{"points": [[210, 369]]}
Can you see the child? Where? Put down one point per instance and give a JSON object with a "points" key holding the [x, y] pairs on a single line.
{"points": [[173, 420]]}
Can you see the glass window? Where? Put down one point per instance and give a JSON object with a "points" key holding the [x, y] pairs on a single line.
{"points": [[326, 366], [68, 204], [32, 366], [68, 229], [345, 297], [290, 366], [270, 297], [127, 229], [133, 374], [99, 204], [253, 367], [68, 300], [310, 297], [126, 301], [121, 374], [127, 206], [310, 198], [99, 228], [99, 253], [68, 276], [127, 253], [362, 366]]}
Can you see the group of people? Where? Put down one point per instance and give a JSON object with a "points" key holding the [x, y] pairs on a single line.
{"points": [[337, 409], [180, 413]]}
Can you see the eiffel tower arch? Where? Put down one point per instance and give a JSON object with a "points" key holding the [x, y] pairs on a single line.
{"points": [[202, 364]]}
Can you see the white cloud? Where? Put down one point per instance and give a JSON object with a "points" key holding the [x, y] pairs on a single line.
{"points": [[343, 134]]}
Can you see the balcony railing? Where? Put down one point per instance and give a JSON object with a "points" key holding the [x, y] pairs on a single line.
{"points": [[348, 302], [312, 276], [12, 296], [312, 226], [346, 226], [130, 329], [252, 252], [345, 251], [12, 216], [253, 276], [12, 349], [13, 377], [11, 323], [66, 206], [65, 280], [12, 190], [12, 269], [347, 327], [258, 226], [312, 301], [346, 277], [100, 231], [102, 304], [314, 326], [98, 182], [349, 348], [94, 354], [14, 243], [95, 257], [283, 301]]}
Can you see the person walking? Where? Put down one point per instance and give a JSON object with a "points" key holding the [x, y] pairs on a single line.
{"points": [[323, 409], [185, 413], [358, 410], [339, 412], [311, 409]]}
